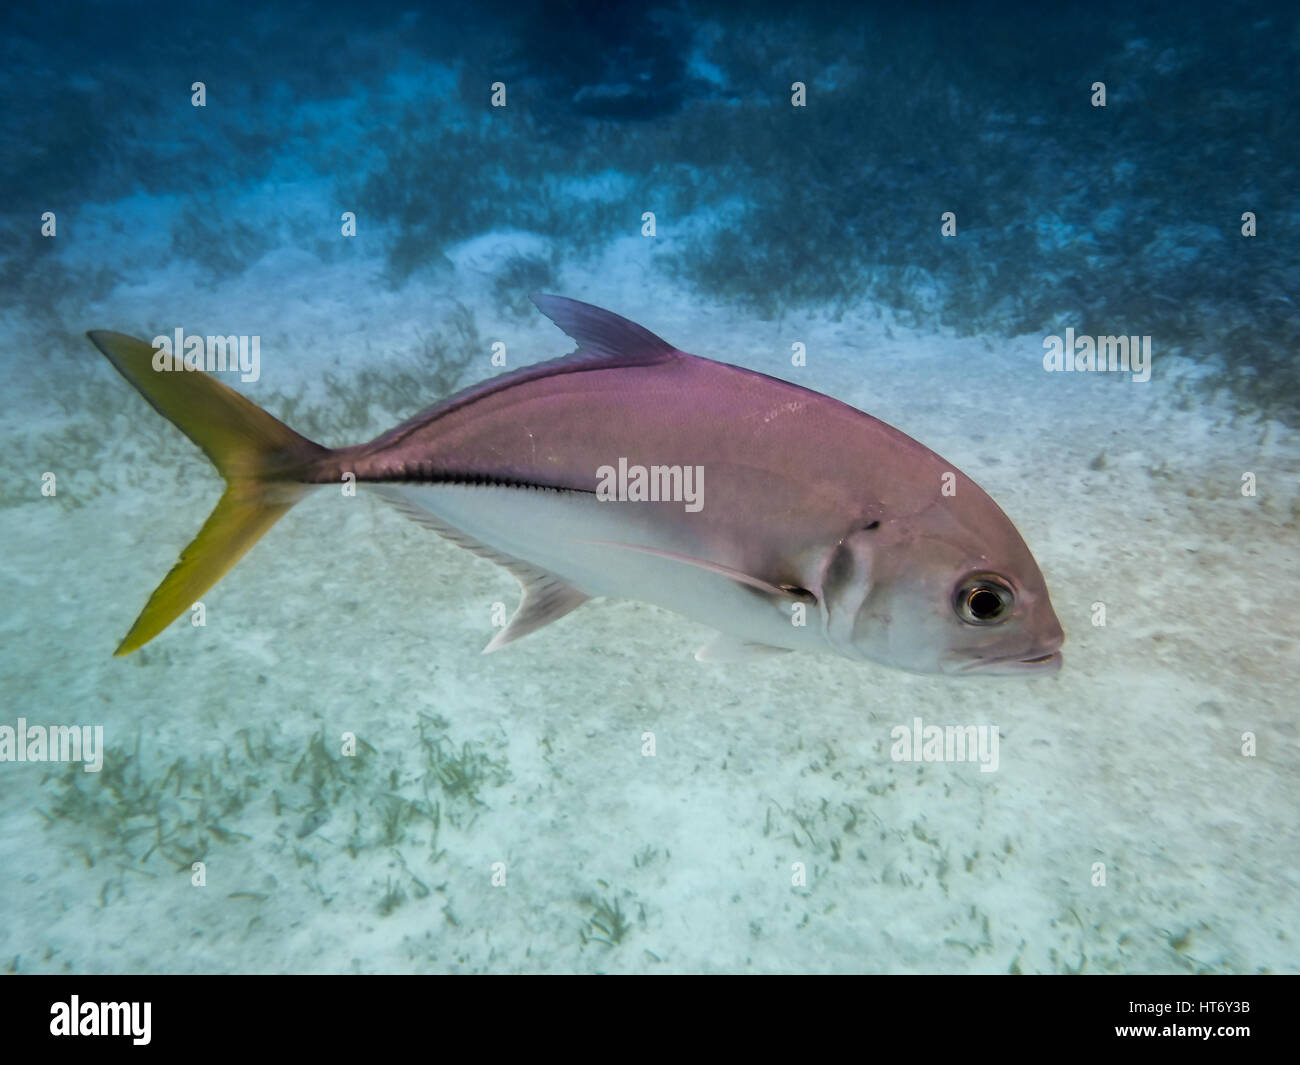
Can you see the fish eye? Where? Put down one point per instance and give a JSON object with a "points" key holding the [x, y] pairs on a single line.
{"points": [[983, 599]]}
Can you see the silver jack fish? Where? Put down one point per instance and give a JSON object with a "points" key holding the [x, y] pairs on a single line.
{"points": [[782, 518]]}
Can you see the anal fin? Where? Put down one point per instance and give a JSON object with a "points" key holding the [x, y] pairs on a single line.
{"points": [[546, 597]]}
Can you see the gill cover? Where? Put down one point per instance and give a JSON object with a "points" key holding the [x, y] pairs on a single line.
{"points": [[844, 585]]}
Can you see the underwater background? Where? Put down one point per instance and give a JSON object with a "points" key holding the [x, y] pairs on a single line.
{"points": [[498, 814]]}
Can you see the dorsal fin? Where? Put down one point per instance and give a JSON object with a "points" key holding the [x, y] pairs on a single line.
{"points": [[604, 341], [600, 332]]}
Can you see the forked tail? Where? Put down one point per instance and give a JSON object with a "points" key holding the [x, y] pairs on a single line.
{"points": [[261, 458]]}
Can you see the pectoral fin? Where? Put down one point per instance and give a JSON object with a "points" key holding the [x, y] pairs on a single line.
{"points": [[787, 592]]}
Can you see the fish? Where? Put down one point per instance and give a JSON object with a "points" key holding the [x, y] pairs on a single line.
{"points": [[783, 519]]}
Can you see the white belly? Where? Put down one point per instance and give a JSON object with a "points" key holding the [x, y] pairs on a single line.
{"points": [[549, 530]]}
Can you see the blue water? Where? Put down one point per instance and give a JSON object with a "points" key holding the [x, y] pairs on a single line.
{"points": [[318, 771]]}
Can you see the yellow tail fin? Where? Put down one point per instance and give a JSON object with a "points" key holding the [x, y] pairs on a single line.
{"points": [[256, 454]]}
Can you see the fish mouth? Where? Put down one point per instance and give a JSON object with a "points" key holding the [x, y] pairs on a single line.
{"points": [[1048, 662]]}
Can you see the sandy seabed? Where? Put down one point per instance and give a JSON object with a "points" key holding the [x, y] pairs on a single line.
{"points": [[527, 765]]}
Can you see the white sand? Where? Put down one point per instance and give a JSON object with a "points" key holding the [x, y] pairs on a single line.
{"points": [[349, 618]]}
